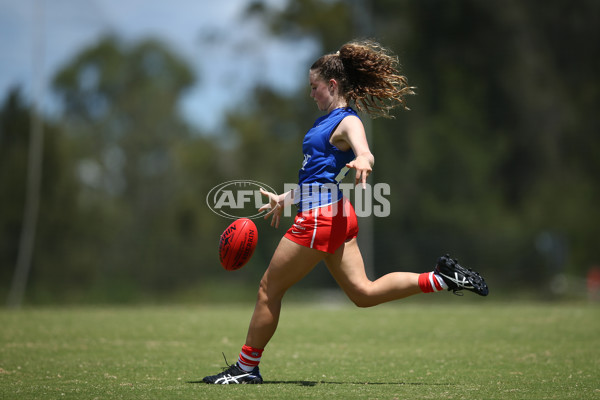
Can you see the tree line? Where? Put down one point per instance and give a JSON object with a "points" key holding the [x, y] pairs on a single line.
{"points": [[496, 162]]}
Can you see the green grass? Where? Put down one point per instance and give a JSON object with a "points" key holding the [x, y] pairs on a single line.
{"points": [[407, 350]]}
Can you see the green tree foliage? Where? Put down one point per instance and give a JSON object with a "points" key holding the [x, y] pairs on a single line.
{"points": [[62, 243], [496, 162], [141, 168], [13, 155]]}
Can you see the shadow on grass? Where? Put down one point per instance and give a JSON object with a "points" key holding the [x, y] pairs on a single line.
{"points": [[315, 383]]}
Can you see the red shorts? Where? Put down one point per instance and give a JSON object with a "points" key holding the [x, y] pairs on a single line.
{"points": [[325, 228]]}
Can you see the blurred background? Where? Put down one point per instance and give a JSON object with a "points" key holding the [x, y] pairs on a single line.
{"points": [[117, 118]]}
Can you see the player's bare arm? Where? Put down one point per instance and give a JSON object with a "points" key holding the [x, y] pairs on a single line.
{"points": [[350, 134]]}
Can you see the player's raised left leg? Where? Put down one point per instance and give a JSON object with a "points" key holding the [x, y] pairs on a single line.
{"points": [[347, 268]]}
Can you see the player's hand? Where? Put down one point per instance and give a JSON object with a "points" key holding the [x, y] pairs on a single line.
{"points": [[363, 168], [274, 206]]}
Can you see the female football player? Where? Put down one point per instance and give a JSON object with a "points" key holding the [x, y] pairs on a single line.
{"points": [[364, 75]]}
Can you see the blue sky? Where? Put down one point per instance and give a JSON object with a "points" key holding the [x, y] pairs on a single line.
{"points": [[68, 26]]}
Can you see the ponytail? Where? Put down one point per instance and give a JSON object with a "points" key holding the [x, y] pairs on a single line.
{"points": [[368, 76]]}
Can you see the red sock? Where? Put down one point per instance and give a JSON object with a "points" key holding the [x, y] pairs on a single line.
{"points": [[249, 358], [429, 283]]}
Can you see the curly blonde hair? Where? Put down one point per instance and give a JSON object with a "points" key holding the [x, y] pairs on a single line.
{"points": [[368, 76]]}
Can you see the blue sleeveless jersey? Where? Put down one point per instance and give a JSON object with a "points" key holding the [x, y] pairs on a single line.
{"points": [[324, 165]]}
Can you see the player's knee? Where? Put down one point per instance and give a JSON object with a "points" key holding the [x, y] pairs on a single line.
{"points": [[363, 302], [269, 292], [262, 289], [360, 297]]}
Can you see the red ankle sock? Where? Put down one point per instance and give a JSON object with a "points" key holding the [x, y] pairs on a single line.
{"points": [[429, 283], [249, 358]]}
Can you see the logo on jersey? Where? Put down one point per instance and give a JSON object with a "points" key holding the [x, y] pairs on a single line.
{"points": [[305, 161]]}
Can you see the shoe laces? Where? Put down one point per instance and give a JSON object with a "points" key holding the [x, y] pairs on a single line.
{"points": [[228, 367], [226, 363]]}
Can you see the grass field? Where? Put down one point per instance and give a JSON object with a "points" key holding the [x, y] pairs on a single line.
{"points": [[408, 350]]}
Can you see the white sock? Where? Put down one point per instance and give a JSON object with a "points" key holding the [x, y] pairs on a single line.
{"points": [[440, 281]]}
